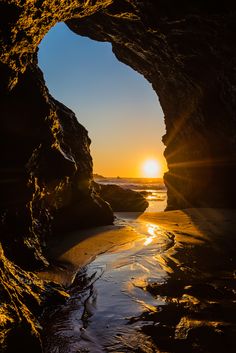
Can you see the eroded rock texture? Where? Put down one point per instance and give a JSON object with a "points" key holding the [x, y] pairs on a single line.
{"points": [[121, 199], [22, 295], [45, 188], [187, 52]]}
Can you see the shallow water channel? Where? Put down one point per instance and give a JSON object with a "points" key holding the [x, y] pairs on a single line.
{"points": [[109, 306]]}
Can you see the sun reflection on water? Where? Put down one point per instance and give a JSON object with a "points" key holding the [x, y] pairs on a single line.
{"points": [[152, 233]]}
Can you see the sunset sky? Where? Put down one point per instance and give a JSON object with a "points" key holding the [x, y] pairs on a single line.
{"points": [[117, 105]]}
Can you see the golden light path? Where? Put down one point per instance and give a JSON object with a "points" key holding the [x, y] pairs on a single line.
{"points": [[152, 233], [151, 168]]}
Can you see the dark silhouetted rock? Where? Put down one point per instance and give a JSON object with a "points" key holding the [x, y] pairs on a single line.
{"points": [[122, 200], [23, 296], [186, 51], [98, 176]]}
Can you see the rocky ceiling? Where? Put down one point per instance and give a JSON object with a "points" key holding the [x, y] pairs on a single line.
{"points": [[186, 49]]}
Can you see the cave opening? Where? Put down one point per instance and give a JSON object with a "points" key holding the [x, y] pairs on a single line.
{"points": [[117, 105], [185, 268]]}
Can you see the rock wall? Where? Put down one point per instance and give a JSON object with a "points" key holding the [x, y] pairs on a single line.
{"points": [[186, 51], [46, 170]]}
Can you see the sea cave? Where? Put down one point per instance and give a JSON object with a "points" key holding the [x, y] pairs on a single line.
{"points": [[187, 52]]}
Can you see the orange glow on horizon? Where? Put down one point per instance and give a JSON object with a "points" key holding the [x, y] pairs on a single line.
{"points": [[132, 168], [129, 163]]}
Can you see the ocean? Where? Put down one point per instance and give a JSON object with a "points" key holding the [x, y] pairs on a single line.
{"points": [[153, 189]]}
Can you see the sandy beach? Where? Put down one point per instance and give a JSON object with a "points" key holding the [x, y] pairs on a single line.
{"points": [[78, 249], [191, 226], [152, 280]]}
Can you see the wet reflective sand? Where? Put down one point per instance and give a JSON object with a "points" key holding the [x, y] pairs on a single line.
{"points": [[167, 286]]}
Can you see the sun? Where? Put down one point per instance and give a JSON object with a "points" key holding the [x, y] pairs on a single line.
{"points": [[151, 168]]}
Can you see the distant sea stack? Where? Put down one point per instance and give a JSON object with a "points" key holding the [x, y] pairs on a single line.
{"points": [[186, 51], [98, 176]]}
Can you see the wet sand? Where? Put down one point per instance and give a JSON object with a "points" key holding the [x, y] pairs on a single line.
{"points": [[77, 249], [191, 226], [156, 282]]}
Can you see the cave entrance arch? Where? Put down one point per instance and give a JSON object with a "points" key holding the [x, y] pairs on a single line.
{"points": [[116, 105], [189, 70], [188, 54]]}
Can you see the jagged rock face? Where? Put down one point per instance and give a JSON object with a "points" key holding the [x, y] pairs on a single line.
{"points": [[47, 171], [45, 188], [22, 295], [45, 159], [186, 51]]}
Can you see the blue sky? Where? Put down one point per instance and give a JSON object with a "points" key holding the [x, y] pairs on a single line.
{"points": [[117, 105]]}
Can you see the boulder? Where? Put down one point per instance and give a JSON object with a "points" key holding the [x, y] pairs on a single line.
{"points": [[122, 200]]}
